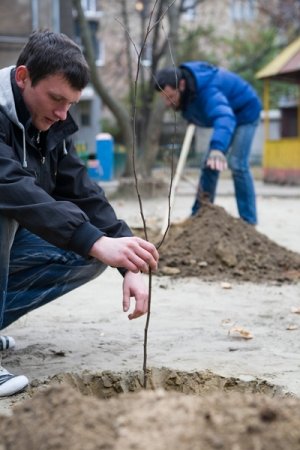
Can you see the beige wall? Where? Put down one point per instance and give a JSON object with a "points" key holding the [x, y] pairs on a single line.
{"points": [[113, 36], [15, 19]]}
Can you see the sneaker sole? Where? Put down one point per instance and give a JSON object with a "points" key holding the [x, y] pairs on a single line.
{"points": [[13, 386]]}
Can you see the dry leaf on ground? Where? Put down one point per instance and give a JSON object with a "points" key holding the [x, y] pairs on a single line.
{"points": [[292, 327], [225, 285], [240, 332]]}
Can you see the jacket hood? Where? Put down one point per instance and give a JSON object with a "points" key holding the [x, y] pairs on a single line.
{"points": [[202, 72], [7, 103]]}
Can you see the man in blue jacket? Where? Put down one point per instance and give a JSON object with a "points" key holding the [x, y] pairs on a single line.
{"points": [[57, 228], [213, 97]]}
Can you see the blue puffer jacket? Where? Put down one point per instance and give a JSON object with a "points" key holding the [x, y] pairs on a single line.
{"points": [[222, 101]]}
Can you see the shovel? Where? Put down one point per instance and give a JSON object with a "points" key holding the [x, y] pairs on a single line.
{"points": [[179, 169]]}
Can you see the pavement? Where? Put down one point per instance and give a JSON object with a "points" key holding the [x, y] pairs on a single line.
{"points": [[86, 330]]}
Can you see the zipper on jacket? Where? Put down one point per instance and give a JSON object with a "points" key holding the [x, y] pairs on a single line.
{"points": [[38, 142]]}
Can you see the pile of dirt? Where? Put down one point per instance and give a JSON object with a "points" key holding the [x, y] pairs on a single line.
{"points": [[60, 418], [216, 246]]}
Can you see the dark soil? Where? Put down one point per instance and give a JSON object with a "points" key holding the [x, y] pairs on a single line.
{"points": [[60, 418], [216, 246]]}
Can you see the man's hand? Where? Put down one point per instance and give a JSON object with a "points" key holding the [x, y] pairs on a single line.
{"points": [[134, 286], [216, 160], [132, 253]]}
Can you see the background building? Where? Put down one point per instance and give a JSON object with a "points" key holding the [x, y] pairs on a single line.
{"points": [[18, 18]]}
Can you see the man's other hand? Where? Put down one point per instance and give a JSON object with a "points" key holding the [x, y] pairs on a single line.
{"points": [[216, 160], [134, 286]]}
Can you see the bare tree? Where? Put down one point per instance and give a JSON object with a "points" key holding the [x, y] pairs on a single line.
{"points": [[156, 38], [284, 15]]}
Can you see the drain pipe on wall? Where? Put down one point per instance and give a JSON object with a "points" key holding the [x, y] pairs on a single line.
{"points": [[35, 14]]}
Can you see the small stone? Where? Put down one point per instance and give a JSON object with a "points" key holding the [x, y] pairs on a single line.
{"points": [[202, 264], [166, 270], [225, 285]]}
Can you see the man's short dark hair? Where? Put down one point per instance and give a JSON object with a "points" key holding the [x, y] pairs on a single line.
{"points": [[48, 53], [169, 76]]}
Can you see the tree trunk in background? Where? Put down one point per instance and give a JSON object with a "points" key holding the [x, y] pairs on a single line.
{"points": [[117, 109], [152, 138], [154, 120]]}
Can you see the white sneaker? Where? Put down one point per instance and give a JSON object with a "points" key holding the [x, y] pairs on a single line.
{"points": [[6, 342], [11, 384]]}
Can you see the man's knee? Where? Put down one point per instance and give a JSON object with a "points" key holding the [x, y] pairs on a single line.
{"points": [[237, 166], [97, 268], [8, 229]]}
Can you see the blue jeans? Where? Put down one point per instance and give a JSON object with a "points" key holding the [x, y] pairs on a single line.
{"points": [[34, 272], [238, 162]]}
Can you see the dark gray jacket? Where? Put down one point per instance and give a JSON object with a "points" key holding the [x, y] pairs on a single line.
{"points": [[44, 185]]}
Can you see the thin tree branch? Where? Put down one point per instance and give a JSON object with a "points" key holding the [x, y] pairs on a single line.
{"points": [[148, 31]]}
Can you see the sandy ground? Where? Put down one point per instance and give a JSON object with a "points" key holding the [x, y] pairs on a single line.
{"points": [[190, 319]]}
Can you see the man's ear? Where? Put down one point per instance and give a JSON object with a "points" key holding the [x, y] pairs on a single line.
{"points": [[22, 76], [182, 85]]}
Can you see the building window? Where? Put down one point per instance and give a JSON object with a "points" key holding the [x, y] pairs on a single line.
{"points": [[97, 44], [189, 9], [242, 10], [98, 49], [88, 5], [85, 113], [100, 60]]}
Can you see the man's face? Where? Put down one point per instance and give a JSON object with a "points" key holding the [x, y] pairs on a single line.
{"points": [[49, 100], [172, 96]]}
